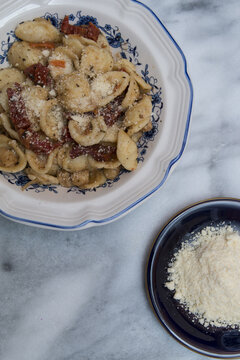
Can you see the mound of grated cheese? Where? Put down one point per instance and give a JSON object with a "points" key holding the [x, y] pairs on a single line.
{"points": [[205, 276]]}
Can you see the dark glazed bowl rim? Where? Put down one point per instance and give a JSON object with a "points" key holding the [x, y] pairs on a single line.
{"points": [[149, 272]]}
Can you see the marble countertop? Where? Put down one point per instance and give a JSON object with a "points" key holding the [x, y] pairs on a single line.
{"points": [[80, 295]]}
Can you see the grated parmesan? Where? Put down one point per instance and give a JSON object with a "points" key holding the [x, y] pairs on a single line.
{"points": [[101, 87], [52, 93], [46, 53], [82, 120], [205, 276], [34, 105], [58, 123]]}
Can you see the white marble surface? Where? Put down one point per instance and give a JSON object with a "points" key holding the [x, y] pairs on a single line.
{"points": [[80, 295]]}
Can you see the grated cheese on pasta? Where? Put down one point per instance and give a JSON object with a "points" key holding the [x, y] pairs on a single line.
{"points": [[46, 53], [82, 120], [101, 87]]}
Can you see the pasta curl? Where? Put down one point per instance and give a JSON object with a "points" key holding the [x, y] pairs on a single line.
{"points": [[12, 158]]}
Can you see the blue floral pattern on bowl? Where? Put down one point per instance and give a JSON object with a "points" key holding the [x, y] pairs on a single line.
{"points": [[127, 51]]}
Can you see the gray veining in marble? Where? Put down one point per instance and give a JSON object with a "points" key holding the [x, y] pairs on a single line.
{"points": [[80, 295]]}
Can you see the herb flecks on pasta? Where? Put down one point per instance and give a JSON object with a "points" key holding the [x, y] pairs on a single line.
{"points": [[70, 113]]}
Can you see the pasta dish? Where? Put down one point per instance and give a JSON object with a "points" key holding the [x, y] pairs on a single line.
{"points": [[71, 113]]}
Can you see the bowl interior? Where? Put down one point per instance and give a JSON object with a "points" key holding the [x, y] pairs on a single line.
{"points": [[123, 41]]}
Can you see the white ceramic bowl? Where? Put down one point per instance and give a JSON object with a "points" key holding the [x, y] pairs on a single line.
{"points": [[134, 30]]}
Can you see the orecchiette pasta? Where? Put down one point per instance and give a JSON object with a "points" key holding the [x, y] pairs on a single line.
{"points": [[69, 59], [10, 75], [87, 42], [126, 151], [70, 112], [74, 43], [111, 173], [80, 178], [67, 163], [51, 119], [96, 178], [12, 158], [86, 132], [111, 134], [74, 92], [138, 115], [41, 164], [95, 60], [103, 43], [125, 65], [21, 55], [4, 97], [77, 164], [132, 94], [34, 99], [103, 164], [37, 31], [8, 127], [106, 87], [44, 179]]}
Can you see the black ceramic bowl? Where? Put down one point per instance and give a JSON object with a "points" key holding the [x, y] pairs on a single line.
{"points": [[215, 342]]}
